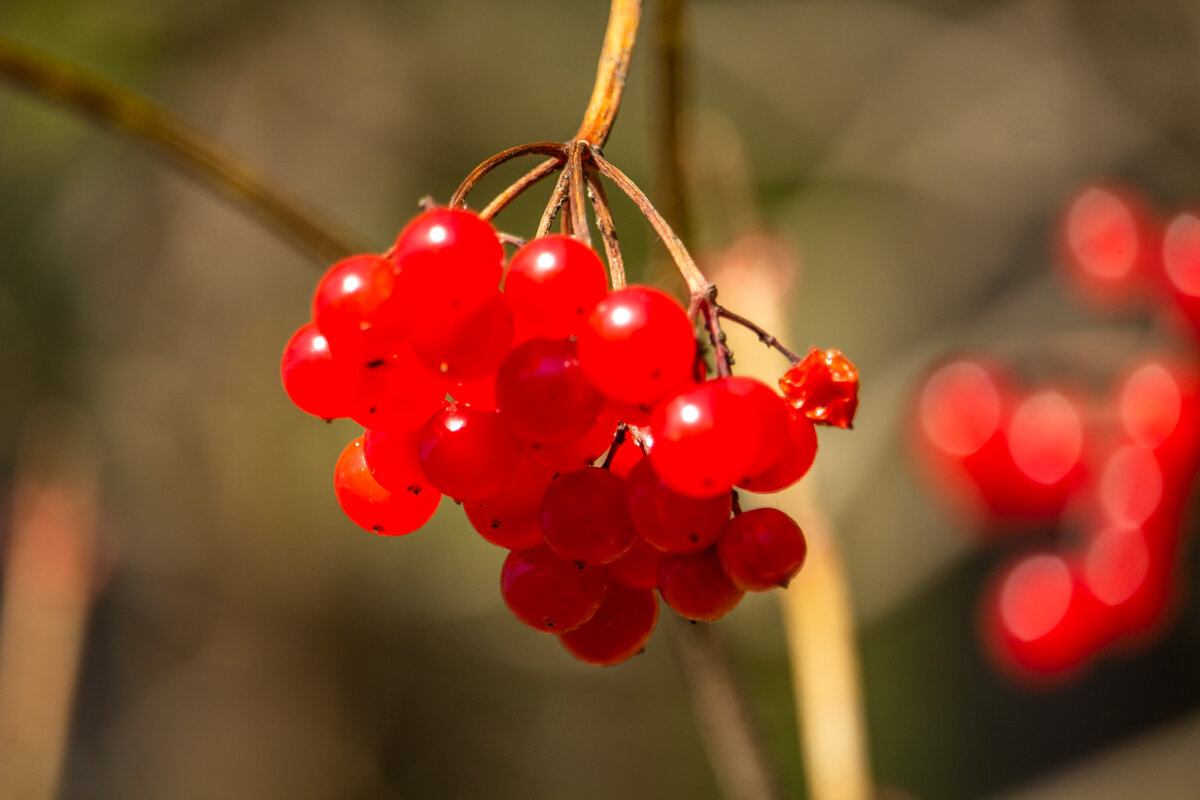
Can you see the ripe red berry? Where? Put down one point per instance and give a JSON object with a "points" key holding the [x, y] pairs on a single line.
{"points": [[397, 393], [577, 453], [799, 452], [466, 453], [638, 345], [705, 439], [584, 517], [619, 630], [553, 283], [542, 394], [772, 413], [374, 508], [357, 307], [1108, 245], [465, 346], [695, 585], [478, 394], [638, 566], [672, 522], [549, 594], [511, 516], [315, 381], [449, 261], [761, 549], [824, 387], [392, 458]]}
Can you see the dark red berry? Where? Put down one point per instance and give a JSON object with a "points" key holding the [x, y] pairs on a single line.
{"points": [[374, 508], [584, 516], [466, 453], [577, 453], [619, 630], [761, 549], [673, 522], [511, 516], [549, 594], [638, 566], [695, 585], [553, 283], [542, 394]]}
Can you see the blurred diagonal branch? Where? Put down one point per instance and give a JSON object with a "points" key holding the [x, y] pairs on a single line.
{"points": [[149, 123]]}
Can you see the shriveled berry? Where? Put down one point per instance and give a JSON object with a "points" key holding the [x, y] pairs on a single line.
{"points": [[466, 453], [314, 380], [553, 283], [584, 517], [619, 630], [638, 345], [824, 387], [695, 585], [761, 549], [374, 508], [673, 522], [542, 394], [549, 594]]}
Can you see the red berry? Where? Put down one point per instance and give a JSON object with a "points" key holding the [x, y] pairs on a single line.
{"points": [[374, 508], [1045, 436], [584, 517], [672, 522], [1107, 244], [628, 455], [799, 452], [466, 453], [695, 585], [357, 307], [315, 381], [824, 387], [577, 453], [542, 394], [478, 394], [619, 630], [960, 408], [705, 439], [392, 458], [449, 263], [638, 345], [549, 594], [511, 516], [761, 549], [772, 413], [553, 284], [638, 566], [466, 346], [397, 393]]}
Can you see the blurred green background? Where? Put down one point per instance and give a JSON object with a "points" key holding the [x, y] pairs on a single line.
{"points": [[250, 642]]}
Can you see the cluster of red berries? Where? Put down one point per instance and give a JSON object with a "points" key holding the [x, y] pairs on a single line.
{"points": [[505, 400], [1117, 467]]}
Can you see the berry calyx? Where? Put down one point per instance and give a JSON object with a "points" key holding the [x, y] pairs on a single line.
{"points": [[549, 594]]}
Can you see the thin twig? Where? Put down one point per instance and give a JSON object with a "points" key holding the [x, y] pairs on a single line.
{"points": [[501, 201], [763, 336], [577, 194], [618, 440], [556, 200], [607, 228], [698, 285], [508, 238], [619, 37], [459, 198], [146, 121], [712, 323]]}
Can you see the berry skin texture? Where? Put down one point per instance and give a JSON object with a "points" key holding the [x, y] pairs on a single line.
{"points": [[357, 307], [705, 438], [466, 453], [696, 587], [638, 345], [374, 508], [620, 629], [553, 284], [315, 381], [799, 452], [761, 549], [584, 517], [450, 260], [542, 394], [549, 594], [823, 387], [668, 520]]}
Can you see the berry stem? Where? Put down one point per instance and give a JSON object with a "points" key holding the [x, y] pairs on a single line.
{"points": [[459, 198], [624, 17], [618, 440], [577, 193], [712, 323], [557, 197], [607, 228], [501, 201], [763, 336], [213, 167]]}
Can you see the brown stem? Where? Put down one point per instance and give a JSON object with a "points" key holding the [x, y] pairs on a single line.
{"points": [[712, 323], [501, 201], [459, 198], [556, 200], [607, 228], [146, 121], [623, 19], [763, 336], [618, 440], [577, 194], [698, 285]]}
